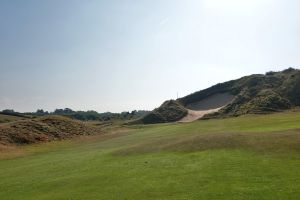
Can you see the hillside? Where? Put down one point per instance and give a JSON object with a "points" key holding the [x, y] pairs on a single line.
{"points": [[27, 131], [9, 118], [258, 93]]}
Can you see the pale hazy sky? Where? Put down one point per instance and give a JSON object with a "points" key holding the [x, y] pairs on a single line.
{"points": [[119, 55]]}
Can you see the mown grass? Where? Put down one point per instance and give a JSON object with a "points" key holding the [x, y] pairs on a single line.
{"points": [[250, 157]]}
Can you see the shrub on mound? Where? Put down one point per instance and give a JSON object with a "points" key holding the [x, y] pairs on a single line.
{"points": [[266, 101], [169, 111]]}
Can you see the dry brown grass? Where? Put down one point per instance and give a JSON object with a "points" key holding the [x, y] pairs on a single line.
{"points": [[11, 151], [43, 129], [9, 118]]}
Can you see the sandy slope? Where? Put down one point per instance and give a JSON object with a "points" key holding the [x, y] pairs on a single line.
{"points": [[197, 114], [209, 105], [212, 102]]}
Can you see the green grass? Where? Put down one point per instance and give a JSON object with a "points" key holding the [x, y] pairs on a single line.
{"points": [[249, 157]]}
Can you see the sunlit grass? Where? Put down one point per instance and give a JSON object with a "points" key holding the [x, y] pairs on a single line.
{"points": [[250, 157]]}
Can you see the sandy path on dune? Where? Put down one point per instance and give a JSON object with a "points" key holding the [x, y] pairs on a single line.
{"points": [[197, 114]]}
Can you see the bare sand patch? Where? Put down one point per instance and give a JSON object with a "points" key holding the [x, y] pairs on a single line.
{"points": [[197, 114], [209, 105], [212, 102]]}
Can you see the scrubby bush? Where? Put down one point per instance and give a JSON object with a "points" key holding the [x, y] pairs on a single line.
{"points": [[266, 101], [169, 111]]}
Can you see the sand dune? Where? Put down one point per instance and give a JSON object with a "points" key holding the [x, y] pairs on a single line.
{"points": [[209, 105], [212, 102]]}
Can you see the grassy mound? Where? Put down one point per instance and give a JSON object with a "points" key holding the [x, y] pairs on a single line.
{"points": [[42, 129], [169, 111], [9, 118]]}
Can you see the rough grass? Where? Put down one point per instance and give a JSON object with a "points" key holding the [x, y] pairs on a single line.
{"points": [[9, 118], [250, 157]]}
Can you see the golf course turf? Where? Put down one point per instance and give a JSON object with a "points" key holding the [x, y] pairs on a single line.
{"points": [[248, 157]]}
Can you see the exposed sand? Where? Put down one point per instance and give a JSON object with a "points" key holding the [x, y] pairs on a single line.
{"points": [[209, 105], [212, 102], [197, 114]]}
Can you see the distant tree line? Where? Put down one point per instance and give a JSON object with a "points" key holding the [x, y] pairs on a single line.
{"points": [[12, 113], [81, 115]]}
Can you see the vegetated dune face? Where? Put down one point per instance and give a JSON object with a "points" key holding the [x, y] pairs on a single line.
{"points": [[209, 105]]}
